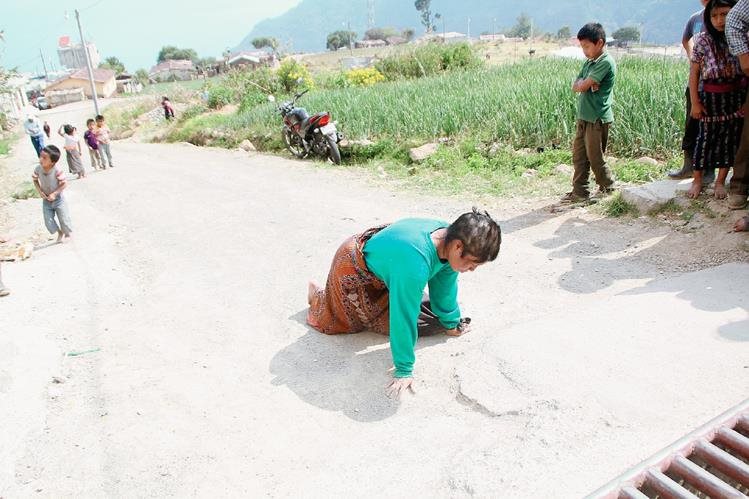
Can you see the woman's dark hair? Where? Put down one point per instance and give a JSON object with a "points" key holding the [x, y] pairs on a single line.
{"points": [[593, 32], [68, 129], [718, 36], [479, 233], [53, 152]]}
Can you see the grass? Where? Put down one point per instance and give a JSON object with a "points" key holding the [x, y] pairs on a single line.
{"points": [[685, 212], [120, 117], [5, 146], [25, 190], [615, 206]]}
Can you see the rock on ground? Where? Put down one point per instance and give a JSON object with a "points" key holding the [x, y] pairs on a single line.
{"points": [[246, 145], [419, 154], [648, 197]]}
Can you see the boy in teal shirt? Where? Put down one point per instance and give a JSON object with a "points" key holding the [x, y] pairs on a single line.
{"points": [[594, 86]]}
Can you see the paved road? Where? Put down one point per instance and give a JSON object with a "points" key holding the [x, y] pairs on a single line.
{"points": [[186, 284]]}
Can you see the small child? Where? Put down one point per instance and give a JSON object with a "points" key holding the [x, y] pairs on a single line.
{"points": [[49, 180], [718, 105], [72, 150], [594, 86], [102, 137], [93, 145], [168, 108], [47, 129]]}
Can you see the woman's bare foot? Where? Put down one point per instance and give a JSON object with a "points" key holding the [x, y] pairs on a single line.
{"points": [[312, 290], [694, 191], [720, 191], [60, 235], [742, 224]]}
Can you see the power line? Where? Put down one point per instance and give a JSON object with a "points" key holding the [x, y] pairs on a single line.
{"points": [[91, 6]]}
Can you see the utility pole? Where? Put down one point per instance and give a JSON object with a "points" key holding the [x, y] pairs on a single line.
{"points": [[44, 65], [469, 28], [350, 40], [370, 14], [88, 64]]}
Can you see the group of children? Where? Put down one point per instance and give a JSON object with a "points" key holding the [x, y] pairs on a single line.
{"points": [[97, 138], [49, 178], [717, 93]]}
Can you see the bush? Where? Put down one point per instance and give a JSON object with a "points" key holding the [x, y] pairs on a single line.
{"points": [[251, 99], [253, 80], [292, 75], [364, 77], [192, 111], [219, 96], [332, 79]]}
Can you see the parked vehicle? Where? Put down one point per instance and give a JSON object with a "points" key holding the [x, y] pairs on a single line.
{"points": [[304, 134], [41, 103]]}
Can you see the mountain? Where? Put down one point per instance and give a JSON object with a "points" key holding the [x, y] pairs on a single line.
{"points": [[305, 27]]}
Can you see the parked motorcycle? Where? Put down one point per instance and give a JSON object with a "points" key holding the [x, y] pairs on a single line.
{"points": [[304, 134]]}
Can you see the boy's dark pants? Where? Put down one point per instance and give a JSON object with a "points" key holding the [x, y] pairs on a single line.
{"points": [[587, 154], [740, 180]]}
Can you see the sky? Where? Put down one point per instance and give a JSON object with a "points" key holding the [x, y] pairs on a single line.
{"points": [[131, 30]]}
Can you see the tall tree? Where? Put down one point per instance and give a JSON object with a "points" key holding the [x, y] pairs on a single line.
{"points": [[265, 41], [114, 64], [171, 53], [341, 38], [564, 33], [380, 33], [141, 76], [627, 34], [523, 27], [427, 20]]}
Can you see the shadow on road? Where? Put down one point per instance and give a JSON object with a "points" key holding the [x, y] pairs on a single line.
{"points": [[344, 373], [711, 290]]}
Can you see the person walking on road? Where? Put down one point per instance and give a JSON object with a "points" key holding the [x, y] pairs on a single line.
{"points": [[34, 130]]}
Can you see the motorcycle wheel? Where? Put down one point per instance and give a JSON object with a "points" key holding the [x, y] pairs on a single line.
{"points": [[294, 144], [333, 152]]}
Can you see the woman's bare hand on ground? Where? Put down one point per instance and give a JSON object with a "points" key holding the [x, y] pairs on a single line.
{"points": [[398, 386]]}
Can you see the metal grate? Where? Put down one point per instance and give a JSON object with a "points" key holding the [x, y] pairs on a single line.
{"points": [[711, 462]]}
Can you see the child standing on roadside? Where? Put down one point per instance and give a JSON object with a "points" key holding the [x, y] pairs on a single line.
{"points": [[93, 145], [168, 108], [718, 105], [49, 180], [594, 86], [102, 137], [72, 150]]}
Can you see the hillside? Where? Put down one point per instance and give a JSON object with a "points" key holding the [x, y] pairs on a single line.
{"points": [[305, 27]]}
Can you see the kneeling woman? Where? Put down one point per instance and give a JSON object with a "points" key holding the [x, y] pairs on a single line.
{"points": [[377, 282]]}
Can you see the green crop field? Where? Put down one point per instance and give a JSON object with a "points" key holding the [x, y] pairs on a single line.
{"points": [[528, 104]]}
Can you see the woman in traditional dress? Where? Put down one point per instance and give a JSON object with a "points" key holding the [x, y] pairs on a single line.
{"points": [[717, 89], [378, 277]]}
